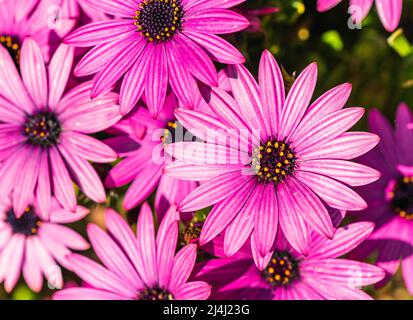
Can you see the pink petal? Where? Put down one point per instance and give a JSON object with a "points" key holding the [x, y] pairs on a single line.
{"points": [[85, 174], [183, 264], [31, 268], [324, 5], [196, 290], [266, 220], [59, 71], [272, 91], [348, 146], [62, 183], [390, 12], [145, 231], [43, 189], [217, 21], [101, 32], [166, 241], [298, 100], [219, 49], [294, 227], [99, 277], [351, 173], [223, 212], [112, 256], [33, 72], [87, 294], [336, 194], [213, 191], [344, 240], [11, 260], [156, 83]]}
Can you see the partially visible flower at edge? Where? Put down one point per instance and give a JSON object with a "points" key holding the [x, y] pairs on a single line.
{"points": [[35, 246], [138, 267], [390, 199]]}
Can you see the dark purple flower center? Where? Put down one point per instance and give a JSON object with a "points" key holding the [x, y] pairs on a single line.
{"points": [[159, 20], [43, 129], [282, 270], [273, 161], [155, 293], [401, 197], [27, 224], [12, 44]]}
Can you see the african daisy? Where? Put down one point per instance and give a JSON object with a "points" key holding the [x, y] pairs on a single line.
{"points": [[136, 267], [44, 132], [34, 245], [155, 43], [297, 158]]}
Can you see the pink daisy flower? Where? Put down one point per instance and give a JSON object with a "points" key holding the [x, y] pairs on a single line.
{"points": [[285, 274], [139, 139], [390, 199], [22, 18], [155, 43], [35, 245], [389, 11], [297, 158], [44, 142], [137, 267]]}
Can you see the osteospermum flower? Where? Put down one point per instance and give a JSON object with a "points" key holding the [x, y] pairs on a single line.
{"points": [[137, 267], [22, 18], [296, 159], [390, 199], [139, 140], [155, 43], [34, 245], [285, 274], [389, 11], [44, 132]]}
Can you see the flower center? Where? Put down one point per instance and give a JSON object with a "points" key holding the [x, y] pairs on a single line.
{"points": [[155, 293], [274, 161], [27, 224], [400, 195], [159, 20], [173, 132], [282, 270], [12, 45], [43, 129]]}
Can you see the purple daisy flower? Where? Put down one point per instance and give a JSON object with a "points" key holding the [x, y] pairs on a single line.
{"points": [[44, 142], [155, 43], [137, 267], [390, 199], [390, 11], [285, 274], [35, 245], [21, 19], [139, 140], [297, 157]]}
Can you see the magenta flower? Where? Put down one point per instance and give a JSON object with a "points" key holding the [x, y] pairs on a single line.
{"points": [[390, 199], [139, 139], [35, 245], [297, 158], [155, 43], [137, 267], [44, 142], [284, 274], [21, 19], [389, 11]]}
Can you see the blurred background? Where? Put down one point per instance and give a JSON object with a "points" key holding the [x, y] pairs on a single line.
{"points": [[377, 63]]}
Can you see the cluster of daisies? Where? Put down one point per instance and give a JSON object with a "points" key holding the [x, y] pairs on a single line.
{"points": [[133, 84]]}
